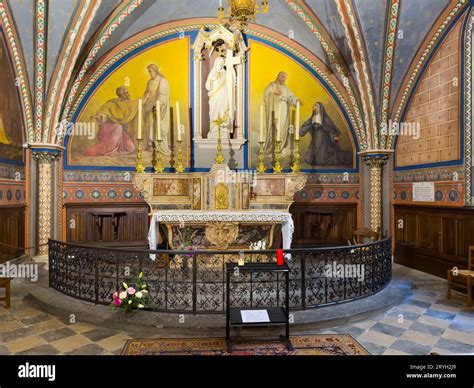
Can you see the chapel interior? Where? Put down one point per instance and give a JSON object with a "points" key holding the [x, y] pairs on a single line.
{"points": [[148, 148]]}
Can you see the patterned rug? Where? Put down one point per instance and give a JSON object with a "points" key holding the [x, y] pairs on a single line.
{"points": [[307, 345]]}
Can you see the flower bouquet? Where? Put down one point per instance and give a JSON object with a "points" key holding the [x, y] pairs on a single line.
{"points": [[184, 242], [132, 296]]}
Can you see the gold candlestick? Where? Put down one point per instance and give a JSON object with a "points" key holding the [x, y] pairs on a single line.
{"points": [[180, 166], [277, 168], [261, 166], [219, 156], [296, 167], [139, 165], [158, 165]]}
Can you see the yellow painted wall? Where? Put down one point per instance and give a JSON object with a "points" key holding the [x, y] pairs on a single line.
{"points": [[264, 65], [172, 58]]}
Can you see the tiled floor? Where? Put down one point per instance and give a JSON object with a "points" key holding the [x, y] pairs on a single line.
{"points": [[425, 322]]}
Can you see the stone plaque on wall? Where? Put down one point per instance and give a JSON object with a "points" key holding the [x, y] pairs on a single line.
{"points": [[423, 192]]}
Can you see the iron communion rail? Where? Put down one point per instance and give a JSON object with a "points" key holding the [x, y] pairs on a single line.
{"points": [[194, 281]]}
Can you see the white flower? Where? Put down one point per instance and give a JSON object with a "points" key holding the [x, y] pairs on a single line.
{"points": [[140, 306], [144, 292], [123, 295], [130, 302], [139, 294]]}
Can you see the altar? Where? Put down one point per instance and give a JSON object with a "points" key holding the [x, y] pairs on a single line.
{"points": [[219, 209], [221, 229]]}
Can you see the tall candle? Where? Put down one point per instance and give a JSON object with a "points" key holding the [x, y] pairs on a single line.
{"points": [[158, 120], [297, 121], [139, 134], [178, 121], [261, 124], [278, 122]]}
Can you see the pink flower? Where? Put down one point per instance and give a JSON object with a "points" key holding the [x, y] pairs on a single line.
{"points": [[115, 295], [117, 302], [131, 291]]}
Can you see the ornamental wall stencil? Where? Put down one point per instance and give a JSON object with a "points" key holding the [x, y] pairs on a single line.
{"points": [[16, 54]]}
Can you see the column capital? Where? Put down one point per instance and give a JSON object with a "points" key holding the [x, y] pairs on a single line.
{"points": [[45, 156], [376, 160], [45, 153]]}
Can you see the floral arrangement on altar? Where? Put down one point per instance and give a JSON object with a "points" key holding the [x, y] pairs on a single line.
{"points": [[132, 296], [185, 242], [259, 245], [185, 239]]}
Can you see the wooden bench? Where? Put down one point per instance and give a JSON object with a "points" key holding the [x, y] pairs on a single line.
{"points": [[5, 283], [463, 278]]}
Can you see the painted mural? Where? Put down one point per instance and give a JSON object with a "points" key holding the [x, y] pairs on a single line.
{"points": [[106, 129], [11, 127], [277, 85]]}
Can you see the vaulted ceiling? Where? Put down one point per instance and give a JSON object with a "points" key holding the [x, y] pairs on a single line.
{"points": [[355, 31]]}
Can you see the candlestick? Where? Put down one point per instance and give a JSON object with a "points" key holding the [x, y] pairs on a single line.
{"points": [[261, 166], [297, 121], [180, 166], [158, 165], [178, 121], [277, 168], [158, 121], [296, 167], [261, 123], [140, 117], [139, 165], [219, 156]]}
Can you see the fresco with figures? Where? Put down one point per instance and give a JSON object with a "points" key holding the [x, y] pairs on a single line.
{"points": [[11, 127], [277, 84], [105, 131]]}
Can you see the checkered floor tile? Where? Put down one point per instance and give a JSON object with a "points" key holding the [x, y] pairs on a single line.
{"points": [[424, 322]]}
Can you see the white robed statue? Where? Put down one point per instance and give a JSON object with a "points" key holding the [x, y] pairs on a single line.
{"points": [[220, 86], [278, 99]]}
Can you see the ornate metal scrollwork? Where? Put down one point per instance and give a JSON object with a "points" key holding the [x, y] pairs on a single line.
{"points": [[194, 282]]}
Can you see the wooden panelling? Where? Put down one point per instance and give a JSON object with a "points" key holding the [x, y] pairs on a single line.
{"points": [[12, 232], [433, 239], [327, 225], [81, 224]]}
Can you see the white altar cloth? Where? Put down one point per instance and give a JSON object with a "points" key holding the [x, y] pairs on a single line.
{"points": [[223, 216]]}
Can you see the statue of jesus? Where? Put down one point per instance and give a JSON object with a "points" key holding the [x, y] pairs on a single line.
{"points": [[220, 92]]}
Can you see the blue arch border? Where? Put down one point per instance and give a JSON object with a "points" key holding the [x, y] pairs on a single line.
{"points": [[192, 35]]}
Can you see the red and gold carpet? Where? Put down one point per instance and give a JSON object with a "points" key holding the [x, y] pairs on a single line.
{"points": [[304, 345]]}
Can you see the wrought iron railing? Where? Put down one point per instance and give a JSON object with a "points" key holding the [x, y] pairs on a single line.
{"points": [[194, 281]]}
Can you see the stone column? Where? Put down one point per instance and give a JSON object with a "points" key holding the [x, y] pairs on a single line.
{"points": [[375, 163], [45, 160]]}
